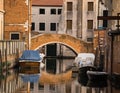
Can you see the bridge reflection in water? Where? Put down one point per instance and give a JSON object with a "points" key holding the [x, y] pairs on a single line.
{"points": [[55, 79]]}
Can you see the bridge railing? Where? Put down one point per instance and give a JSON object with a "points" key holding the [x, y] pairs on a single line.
{"points": [[11, 46]]}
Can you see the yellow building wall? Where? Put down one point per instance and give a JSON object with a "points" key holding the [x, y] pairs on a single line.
{"points": [[16, 18]]}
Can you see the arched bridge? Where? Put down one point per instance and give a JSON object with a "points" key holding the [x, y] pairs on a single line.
{"points": [[75, 44]]}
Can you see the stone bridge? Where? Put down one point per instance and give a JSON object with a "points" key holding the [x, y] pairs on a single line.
{"points": [[73, 43]]}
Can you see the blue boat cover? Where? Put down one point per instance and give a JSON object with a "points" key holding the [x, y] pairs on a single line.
{"points": [[30, 55], [30, 78]]}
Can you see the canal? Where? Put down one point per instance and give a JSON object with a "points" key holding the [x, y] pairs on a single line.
{"points": [[55, 77]]}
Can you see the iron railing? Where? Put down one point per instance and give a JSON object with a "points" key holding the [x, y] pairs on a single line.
{"points": [[11, 47]]}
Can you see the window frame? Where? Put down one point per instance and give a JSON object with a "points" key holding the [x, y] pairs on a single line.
{"points": [[53, 26], [32, 26], [42, 26], [41, 11], [89, 27], [69, 6], [14, 36], [69, 24], [90, 6], [53, 11], [59, 11]]}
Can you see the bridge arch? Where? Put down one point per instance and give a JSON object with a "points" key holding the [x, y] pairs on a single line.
{"points": [[75, 44]]}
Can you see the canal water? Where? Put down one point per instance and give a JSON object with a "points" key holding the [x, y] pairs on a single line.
{"points": [[55, 77]]}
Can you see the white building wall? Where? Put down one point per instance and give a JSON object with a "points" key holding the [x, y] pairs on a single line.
{"points": [[89, 15], [74, 28], [47, 18], [73, 17], [65, 16], [79, 20]]}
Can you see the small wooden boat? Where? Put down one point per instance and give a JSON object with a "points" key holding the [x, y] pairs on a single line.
{"points": [[97, 79], [82, 74], [85, 62], [29, 70], [30, 58], [97, 76]]}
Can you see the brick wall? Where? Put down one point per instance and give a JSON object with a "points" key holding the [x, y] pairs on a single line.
{"points": [[76, 44], [16, 17]]}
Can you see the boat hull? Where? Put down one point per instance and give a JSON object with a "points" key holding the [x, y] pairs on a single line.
{"points": [[97, 76], [29, 70], [29, 64], [82, 74], [83, 70]]}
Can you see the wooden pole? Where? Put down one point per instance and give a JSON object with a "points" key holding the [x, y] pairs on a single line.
{"points": [[28, 87], [1, 62], [6, 63]]}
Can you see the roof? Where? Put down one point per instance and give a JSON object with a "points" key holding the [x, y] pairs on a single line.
{"points": [[47, 2]]}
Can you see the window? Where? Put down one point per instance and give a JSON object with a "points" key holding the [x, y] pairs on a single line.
{"points": [[33, 26], [53, 11], [105, 22], [69, 24], [42, 11], [90, 6], [90, 24], [53, 26], [40, 86], [89, 39], [69, 6], [15, 36], [42, 26], [59, 11]]}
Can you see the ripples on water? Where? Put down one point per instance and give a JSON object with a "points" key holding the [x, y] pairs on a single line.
{"points": [[46, 81]]}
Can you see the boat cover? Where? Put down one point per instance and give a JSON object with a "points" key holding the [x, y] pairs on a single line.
{"points": [[85, 59], [30, 55], [30, 78]]}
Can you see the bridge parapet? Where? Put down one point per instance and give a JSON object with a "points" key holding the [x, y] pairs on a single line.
{"points": [[75, 44]]}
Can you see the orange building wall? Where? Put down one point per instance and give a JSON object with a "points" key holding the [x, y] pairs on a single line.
{"points": [[16, 15]]}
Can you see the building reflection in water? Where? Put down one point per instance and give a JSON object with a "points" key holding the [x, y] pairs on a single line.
{"points": [[52, 80]]}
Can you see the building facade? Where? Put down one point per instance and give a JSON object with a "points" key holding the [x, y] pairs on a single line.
{"points": [[1, 19], [79, 18], [45, 16], [17, 20], [115, 11]]}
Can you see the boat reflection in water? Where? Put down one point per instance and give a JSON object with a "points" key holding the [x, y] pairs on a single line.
{"points": [[31, 76], [43, 81], [87, 80]]}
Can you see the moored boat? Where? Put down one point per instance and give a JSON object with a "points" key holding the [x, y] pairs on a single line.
{"points": [[85, 59], [85, 62], [30, 58], [97, 76]]}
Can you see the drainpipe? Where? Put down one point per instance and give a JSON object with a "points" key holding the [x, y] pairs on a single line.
{"points": [[4, 20], [118, 22], [111, 67], [98, 12], [28, 23]]}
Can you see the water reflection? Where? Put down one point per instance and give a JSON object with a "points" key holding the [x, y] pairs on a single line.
{"points": [[52, 80]]}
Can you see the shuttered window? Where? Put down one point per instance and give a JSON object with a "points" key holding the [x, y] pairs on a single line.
{"points": [[69, 6], [90, 6], [90, 24], [69, 24]]}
